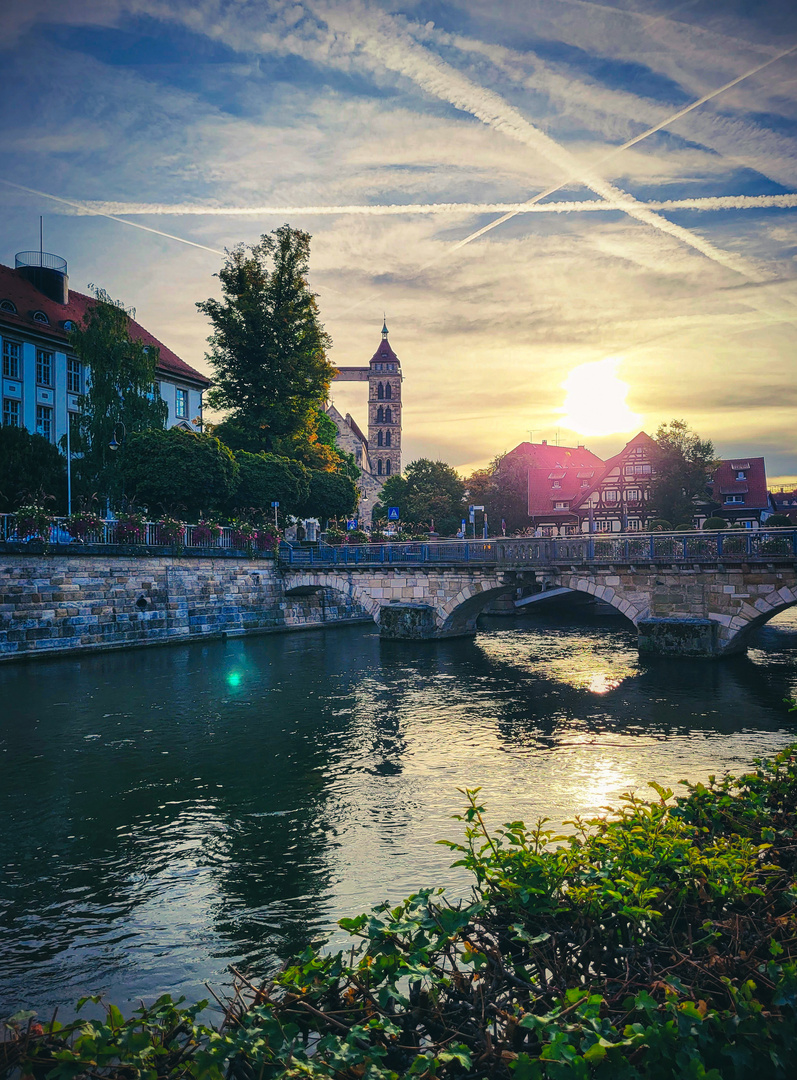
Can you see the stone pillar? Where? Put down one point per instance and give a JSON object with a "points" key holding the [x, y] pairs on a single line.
{"points": [[678, 637]]}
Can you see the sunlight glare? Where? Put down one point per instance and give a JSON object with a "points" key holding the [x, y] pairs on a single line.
{"points": [[595, 400]]}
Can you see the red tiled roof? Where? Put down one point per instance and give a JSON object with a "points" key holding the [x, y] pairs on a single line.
{"points": [[384, 352], [753, 487], [562, 462], [27, 299]]}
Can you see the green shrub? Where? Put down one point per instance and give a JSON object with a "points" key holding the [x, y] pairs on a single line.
{"points": [[715, 523], [659, 525], [656, 943]]}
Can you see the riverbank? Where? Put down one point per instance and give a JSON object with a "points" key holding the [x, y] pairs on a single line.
{"points": [[656, 942], [79, 603]]}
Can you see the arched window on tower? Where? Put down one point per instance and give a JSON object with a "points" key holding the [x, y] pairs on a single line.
{"points": [[379, 467], [387, 467], [380, 391], [379, 438], [380, 415], [387, 438], [388, 391], [388, 415]]}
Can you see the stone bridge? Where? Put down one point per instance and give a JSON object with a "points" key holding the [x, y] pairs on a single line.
{"points": [[687, 594]]}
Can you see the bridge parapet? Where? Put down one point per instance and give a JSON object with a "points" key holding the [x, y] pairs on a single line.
{"points": [[760, 546]]}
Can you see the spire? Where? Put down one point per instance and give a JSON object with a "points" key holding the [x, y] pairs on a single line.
{"points": [[384, 328]]}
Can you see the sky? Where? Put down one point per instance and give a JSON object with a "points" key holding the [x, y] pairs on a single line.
{"points": [[579, 218]]}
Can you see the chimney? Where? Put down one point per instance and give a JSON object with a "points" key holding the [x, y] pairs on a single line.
{"points": [[580, 446], [544, 442]]}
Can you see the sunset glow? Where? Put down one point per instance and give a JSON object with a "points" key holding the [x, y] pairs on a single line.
{"points": [[595, 403]]}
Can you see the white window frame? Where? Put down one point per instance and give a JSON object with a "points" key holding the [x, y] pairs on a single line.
{"points": [[181, 399], [12, 354], [44, 420], [74, 369], [7, 421], [44, 366]]}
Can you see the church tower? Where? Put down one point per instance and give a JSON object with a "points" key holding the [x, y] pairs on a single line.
{"points": [[384, 410]]}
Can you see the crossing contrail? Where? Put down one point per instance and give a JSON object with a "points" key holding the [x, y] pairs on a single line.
{"points": [[398, 51], [718, 202]]}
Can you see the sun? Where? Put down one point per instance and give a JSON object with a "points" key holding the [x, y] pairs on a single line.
{"points": [[595, 400]]}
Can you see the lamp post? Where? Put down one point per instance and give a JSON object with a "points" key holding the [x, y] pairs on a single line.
{"points": [[113, 444], [68, 463], [276, 507]]}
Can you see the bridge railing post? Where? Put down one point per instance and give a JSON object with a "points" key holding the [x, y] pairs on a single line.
{"points": [[719, 545], [749, 546]]}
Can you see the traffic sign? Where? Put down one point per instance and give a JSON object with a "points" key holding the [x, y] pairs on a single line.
{"points": [[392, 513]]}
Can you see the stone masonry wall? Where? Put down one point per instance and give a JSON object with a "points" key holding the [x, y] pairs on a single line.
{"points": [[51, 604]]}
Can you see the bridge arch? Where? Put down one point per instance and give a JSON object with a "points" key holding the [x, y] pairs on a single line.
{"points": [[348, 586], [735, 632], [607, 593], [458, 615]]}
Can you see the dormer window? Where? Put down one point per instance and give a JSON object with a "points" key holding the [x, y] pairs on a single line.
{"points": [[741, 475], [6, 305], [39, 316], [69, 325]]}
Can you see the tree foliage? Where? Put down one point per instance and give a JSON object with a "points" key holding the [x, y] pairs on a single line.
{"points": [[177, 472], [427, 492], [503, 490], [268, 347], [266, 478], [330, 495], [119, 390], [30, 466], [684, 465]]}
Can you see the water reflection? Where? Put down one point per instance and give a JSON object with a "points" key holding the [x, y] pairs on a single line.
{"points": [[165, 812]]}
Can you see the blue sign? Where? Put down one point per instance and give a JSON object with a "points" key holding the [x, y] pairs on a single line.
{"points": [[392, 513], [351, 524]]}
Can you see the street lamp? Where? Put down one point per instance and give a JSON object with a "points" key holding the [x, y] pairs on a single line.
{"points": [[113, 444]]}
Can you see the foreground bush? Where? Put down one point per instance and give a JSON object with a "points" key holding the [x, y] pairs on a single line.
{"points": [[659, 943]]}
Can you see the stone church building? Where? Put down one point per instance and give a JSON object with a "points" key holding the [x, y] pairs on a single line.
{"points": [[379, 455]]}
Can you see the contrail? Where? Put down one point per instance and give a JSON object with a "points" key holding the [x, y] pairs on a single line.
{"points": [[401, 53], [718, 202], [607, 157], [112, 217]]}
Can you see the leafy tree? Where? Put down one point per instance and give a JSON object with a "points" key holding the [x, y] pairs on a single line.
{"points": [[177, 472], [29, 465], [330, 495], [119, 390], [268, 347], [428, 491], [265, 478], [503, 490], [684, 464]]}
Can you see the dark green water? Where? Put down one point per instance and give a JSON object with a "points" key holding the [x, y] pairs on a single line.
{"points": [[167, 812]]}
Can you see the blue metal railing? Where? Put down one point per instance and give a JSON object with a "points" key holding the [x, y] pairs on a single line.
{"points": [[760, 545]]}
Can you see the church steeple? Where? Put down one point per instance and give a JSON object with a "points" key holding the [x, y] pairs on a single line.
{"points": [[384, 410]]}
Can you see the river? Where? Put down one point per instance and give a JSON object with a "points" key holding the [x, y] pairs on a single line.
{"points": [[169, 811]]}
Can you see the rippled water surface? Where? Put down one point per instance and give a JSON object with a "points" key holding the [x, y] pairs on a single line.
{"points": [[167, 812]]}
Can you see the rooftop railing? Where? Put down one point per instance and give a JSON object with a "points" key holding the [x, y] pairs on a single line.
{"points": [[45, 259]]}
